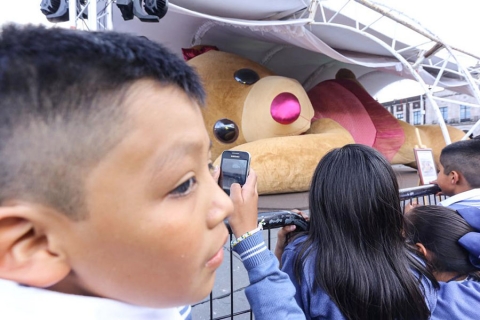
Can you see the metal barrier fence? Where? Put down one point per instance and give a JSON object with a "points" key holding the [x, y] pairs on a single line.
{"points": [[228, 301]]}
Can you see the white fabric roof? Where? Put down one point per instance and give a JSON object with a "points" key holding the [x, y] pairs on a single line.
{"points": [[280, 35]]}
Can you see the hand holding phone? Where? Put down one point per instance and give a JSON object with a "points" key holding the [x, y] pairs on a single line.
{"points": [[234, 168], [245, 206]]}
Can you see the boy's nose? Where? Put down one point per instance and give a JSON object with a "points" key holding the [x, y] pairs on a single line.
{"points": [[221, 207]]}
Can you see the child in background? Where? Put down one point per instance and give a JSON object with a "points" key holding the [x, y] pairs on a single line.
{"points": [[436, 232], [108, 205], [459, 176]]}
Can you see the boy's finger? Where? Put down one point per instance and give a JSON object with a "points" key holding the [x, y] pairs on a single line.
{"points": [[251, 183], [236, 193]]}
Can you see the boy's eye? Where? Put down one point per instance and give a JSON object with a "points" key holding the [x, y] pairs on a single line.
{"points": [[211, 168], [184, 188]]}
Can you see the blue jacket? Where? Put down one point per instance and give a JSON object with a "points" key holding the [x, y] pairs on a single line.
{"points": [[458, 300], [271, 294], [454, 300], [319, 305]]}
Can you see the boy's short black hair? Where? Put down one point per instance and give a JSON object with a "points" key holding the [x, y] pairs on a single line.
{"points": [[464, 157], [61, 109]]}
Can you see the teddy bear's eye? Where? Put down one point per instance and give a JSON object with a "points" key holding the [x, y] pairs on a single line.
{"points": [[246, 76], [225, 130]]}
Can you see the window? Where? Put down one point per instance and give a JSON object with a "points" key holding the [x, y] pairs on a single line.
{"points": [[400, 108], [416, 105], [400, 116], [417, 117], [444, 112], [464, 113]]}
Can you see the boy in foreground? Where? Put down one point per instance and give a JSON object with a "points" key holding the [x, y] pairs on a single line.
{"points": [[108, 205]]}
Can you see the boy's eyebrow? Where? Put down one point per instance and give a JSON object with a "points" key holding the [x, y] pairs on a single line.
{"points": [[163, 160]]}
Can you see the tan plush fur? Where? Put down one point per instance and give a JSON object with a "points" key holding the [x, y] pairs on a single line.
{"points": [[286, 164], [431, 137]]}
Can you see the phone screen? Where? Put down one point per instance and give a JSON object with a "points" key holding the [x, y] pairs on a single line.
{"points": [[233, 171]]}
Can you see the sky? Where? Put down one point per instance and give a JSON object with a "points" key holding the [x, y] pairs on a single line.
{"points": [[455, 22]]}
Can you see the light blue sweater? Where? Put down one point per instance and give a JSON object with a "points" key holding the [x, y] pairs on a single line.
{"points": [[271, 294]]}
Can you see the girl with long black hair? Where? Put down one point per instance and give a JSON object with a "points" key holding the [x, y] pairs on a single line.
{"points": [[354, 262]]}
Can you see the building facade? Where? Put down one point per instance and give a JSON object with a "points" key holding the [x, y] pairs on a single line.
{"points": [[418, 110]]}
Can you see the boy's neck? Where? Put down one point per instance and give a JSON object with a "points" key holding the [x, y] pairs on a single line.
{"points": [[462, 187], [70, 286]]}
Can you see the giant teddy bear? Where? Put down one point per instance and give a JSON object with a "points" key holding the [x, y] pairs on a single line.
{"points": [[287, 130]]}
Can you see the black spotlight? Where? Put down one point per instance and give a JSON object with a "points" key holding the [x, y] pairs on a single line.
{"points": [[58, 10], [156, 7], [145, 10], [130, 8], [126, 8], [140, 14], [55, 10]]}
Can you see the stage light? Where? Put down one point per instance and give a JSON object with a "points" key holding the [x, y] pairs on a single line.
{"points": [[145, 10], [55, 10], [58, 10], [130, 8], [126, 8], [156, 7]]}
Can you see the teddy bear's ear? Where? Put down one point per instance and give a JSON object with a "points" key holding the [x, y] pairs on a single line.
{"points": [[190, 53]]}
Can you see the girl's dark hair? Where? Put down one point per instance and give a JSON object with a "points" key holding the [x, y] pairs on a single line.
{"points": [[356, 236], [438, 229]]}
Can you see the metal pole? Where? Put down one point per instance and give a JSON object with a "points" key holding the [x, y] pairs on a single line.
{"points": [[92, 15], [72, 13], [109, 17]]}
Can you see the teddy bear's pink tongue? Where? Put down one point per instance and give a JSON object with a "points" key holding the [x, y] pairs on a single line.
{"points": [[285, 108]]}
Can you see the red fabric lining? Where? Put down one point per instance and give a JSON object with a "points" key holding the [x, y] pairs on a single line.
{"points": [[390, 135], [332, 100]]}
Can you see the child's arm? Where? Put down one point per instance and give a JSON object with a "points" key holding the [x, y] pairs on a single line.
{"points": [[271, 294]]}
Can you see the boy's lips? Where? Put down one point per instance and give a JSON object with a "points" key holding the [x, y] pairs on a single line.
{"points": [[215, 261]]}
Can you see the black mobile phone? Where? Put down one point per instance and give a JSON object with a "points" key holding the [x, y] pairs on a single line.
{"points": [[234, 168]]}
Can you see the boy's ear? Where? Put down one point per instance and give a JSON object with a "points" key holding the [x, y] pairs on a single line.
{"points": [[421, 248], [25, 252], [455, 177]]}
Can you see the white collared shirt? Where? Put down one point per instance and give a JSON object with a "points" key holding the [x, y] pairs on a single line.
{"points": [[467, 198], [25, 303]]}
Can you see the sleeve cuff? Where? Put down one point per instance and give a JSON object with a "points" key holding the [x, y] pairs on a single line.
{"points": [[253, 251]]}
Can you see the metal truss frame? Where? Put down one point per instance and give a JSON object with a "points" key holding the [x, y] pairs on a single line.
{"points": [[98, 12], [423, 59]]}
